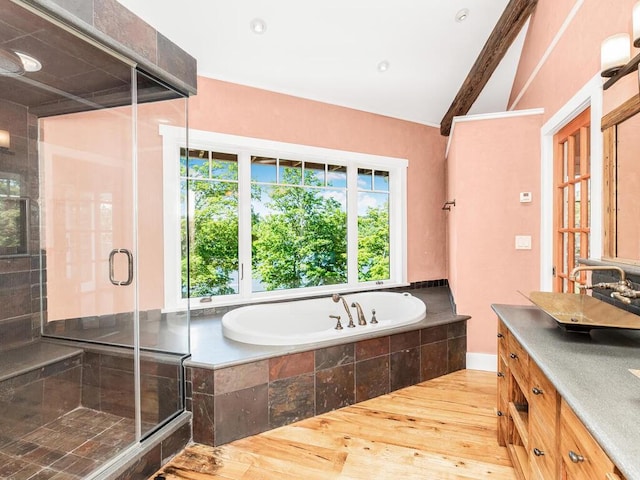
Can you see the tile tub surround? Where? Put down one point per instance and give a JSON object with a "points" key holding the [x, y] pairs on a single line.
{"points": [[248, 398]]}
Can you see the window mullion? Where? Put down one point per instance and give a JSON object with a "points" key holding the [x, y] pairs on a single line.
{"points": [[244, 223], [352, 225]]}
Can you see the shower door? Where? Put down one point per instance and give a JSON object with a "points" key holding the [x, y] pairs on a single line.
{"points": [[102, 217]]}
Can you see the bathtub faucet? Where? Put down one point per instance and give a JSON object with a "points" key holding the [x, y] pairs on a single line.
{"points": [[336, 298], [361, 319]]}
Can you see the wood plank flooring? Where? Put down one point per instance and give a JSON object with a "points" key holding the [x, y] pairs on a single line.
{"points": [[441, 429]]}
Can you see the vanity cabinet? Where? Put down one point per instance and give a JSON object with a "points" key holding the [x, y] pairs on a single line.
{"points": [[544, 437]]}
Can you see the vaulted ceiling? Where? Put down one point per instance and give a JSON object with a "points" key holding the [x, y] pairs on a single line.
{"points": [[335, 51]]}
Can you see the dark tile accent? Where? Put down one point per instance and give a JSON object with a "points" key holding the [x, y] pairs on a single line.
{"points": [[145, 467], [457, 329], [202, 380], [114, 20], [175, 61], [335, 388], [374, 347], [334, 356], [62, 393], [175, 442], [433, 334], [404, 368], [372, 378], [240, 377], [404, 341], [291, 365], [291, 399], [457, 354], [434, 360], [241, 413]]}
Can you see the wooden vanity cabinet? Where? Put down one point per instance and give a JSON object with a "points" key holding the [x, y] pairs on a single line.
{"points": [[581, 455], [544, 437]]}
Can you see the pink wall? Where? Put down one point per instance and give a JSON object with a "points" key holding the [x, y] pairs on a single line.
{"points": [[576, 57], [490, 162], [234, 109], [87, 156]]}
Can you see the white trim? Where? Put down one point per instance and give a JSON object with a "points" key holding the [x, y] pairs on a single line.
{"points": [[174, 138], [489, 116], [482, 361], [547, 52], [589, 95]]}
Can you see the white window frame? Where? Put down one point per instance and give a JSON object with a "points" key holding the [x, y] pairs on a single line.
{"points": [[173, 140]]}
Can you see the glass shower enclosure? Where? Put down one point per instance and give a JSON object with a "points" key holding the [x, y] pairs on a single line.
{"points": [[90, 362]]}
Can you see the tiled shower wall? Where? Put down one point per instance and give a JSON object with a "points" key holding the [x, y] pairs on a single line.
{"points": [[20, 275], [238, 401]]}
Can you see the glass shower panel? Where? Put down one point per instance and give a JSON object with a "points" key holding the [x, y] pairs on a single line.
{"points": [[164, 336]]}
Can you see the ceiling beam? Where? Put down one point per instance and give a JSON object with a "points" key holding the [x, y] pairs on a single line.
{"points": [[504, 33]]}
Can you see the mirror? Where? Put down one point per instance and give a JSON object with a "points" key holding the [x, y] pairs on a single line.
{"points": [[622, 182]]}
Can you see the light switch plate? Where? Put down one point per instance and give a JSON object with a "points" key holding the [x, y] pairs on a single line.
{"points": [[523, 242], [525, 197]]}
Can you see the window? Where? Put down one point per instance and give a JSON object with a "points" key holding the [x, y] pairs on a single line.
{"points": [[268, 220]]}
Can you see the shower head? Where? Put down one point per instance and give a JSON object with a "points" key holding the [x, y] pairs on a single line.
{"points": [[10, 63]]}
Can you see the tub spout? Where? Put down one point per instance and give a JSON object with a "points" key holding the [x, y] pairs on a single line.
{"points": [[361, 319], [336, 298]]}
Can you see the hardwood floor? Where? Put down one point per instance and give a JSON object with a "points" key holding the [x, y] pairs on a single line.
{"points": [[441, 429]]}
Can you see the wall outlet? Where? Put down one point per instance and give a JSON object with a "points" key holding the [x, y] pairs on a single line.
{"points": [[523, 242]]}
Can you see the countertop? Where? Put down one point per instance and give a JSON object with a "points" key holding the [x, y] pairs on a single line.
{"points": [[591, 372], [209, 348]]}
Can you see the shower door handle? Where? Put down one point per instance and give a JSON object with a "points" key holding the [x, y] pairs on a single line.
{"points": [[112, 278]]}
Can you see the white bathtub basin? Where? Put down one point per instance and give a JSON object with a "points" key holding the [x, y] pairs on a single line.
{"points": [[307, 321]]}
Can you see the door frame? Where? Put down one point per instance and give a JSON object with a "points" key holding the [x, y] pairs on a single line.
{"points": [[589, 95]]}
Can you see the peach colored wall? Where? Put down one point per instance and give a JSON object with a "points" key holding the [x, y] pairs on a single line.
{"points": [[576, 57], [489, 163], [234, 109], [89, 154]]}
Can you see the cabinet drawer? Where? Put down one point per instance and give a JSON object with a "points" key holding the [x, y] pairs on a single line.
{"points": [[543, 403], [580, 454], [518, 363], [542, 457]]}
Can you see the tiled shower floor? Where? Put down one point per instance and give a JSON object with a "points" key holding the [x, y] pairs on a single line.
{"points": [[68, 448]]}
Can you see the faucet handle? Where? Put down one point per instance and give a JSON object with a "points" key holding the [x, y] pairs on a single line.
{"points": [[373, 316], [338, 325]]}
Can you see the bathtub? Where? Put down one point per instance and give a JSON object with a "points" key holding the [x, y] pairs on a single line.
{"points": [[301, 322]]}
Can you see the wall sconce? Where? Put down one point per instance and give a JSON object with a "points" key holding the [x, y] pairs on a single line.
{"points": [[615, 61], [5, 140], [615, 53]]}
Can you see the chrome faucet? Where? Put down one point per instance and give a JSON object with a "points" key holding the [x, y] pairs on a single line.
{"points": [[336, 298], [622, 289], [361, 319]]}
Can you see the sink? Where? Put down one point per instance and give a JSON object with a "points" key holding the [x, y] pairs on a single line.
{"points": [[575, 312]]}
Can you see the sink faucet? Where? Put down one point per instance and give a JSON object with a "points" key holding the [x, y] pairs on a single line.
{"points": [[336, 298], [622, 289], [582, 268], [361, 319]]}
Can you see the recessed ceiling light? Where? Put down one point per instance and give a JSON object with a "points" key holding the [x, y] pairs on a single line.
{"points": [[462, 15], [29, 63], [383, 66], [258, 26]]}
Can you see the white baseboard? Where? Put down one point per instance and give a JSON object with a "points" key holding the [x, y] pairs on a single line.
{"points": [[482, 361]]}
